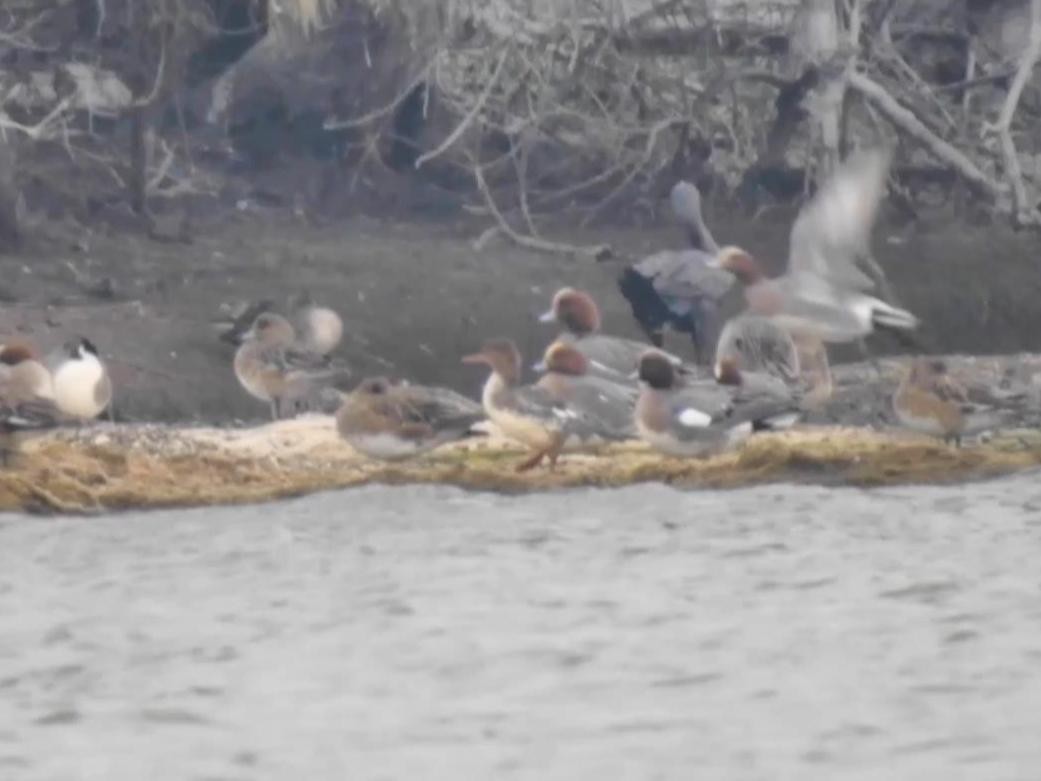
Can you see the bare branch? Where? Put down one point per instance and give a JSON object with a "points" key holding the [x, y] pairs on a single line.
{"points": [[906, 121], [595, 251], [1023, 212], [467, 120]]}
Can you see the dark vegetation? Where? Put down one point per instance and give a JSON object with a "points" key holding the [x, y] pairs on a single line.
{"points": [[582, 108]]}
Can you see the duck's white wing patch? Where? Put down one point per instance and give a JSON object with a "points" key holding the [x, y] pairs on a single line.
{"points": [[695, 418], [564, 413]]}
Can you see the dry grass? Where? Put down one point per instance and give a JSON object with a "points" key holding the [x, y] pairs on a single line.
{"points": [[107, 468]]}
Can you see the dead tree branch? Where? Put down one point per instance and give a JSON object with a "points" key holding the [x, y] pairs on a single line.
{"points": [[595, 251], [906, 121], [1023, 211]]}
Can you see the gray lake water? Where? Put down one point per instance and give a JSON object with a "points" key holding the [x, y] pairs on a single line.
{"points": [[783, 632]]}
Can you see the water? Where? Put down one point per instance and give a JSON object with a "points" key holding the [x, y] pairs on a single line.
{"points": [[425, 633]]}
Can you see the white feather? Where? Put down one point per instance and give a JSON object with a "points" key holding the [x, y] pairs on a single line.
{"points": [[75, 382], [694, 418]]}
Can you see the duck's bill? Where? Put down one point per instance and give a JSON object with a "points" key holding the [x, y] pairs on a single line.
{"points": [[547, 317], [474, 358], [633, 375], [539, 367]]}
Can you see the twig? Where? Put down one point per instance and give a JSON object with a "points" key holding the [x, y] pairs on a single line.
{"points": [[1023, 213], [35, 132], [906, 121], [596, 251], [648, 151], [467, 120], [382, 111]]}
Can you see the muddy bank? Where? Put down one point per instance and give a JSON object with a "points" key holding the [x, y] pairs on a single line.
{"points": [[416, 296], [107, 467]]}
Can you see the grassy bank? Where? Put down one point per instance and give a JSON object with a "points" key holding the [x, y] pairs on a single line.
{"points": [[107, 468]]}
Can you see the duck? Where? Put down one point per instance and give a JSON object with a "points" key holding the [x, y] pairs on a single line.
{"points": [[272, 367], [318, 328], [81, 382], [678, 287], [613, 357], [823, 293], [761, 389], [528, 414], [758, 344], [605, 405], [392, 421], [698, 418], [26, 396], [237, 317], [930, 401]]}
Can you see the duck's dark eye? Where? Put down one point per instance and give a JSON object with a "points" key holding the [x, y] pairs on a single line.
{"points": [[739, 343]]}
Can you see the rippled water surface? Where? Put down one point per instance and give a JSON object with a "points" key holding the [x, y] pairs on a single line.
{"points": [[425, 633]]}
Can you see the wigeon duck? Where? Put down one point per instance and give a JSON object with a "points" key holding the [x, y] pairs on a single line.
{"points": [[758, 389], [759, 344], [272, 367], [609, 356], [528, 414], [678, 287], [823, 291], [82, 387], [318, 328], [931, 401], [392, 421], [606, 406], [24, 372], [26, 396], [698, 418]]}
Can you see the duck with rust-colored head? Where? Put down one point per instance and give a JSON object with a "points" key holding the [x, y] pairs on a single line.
{"points": [[759, 390], [613, 357], [528, 414], [698, 418], [823, 291], [758, 344], [605, 407], [26, 396], [273, 367], [392, 421]]}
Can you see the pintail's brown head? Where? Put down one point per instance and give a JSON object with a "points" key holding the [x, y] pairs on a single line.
{"points": [[575, 310], [656, 371], [738, 262], [501, 355]]}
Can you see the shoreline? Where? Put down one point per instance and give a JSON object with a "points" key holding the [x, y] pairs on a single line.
{"points": [[112, 467]]}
